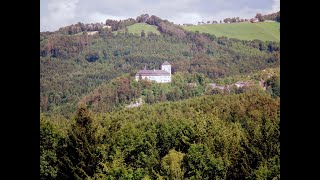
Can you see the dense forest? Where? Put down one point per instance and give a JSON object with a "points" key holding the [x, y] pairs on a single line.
{"points": [[185, 129], [210, 137]]}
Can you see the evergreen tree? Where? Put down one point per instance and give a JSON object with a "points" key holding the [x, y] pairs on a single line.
{"points": [[49, 139], [82, 152]]}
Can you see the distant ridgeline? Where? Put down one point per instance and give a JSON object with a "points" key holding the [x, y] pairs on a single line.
{"points": [[115, 25]]}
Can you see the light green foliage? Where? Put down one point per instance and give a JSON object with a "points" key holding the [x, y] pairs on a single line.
{"points": [[138, 27], [171, 165], [269, 169], [265, 31]]}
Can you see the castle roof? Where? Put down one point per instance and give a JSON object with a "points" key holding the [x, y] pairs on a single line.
{"points": [[166, 63], [153, 73]]}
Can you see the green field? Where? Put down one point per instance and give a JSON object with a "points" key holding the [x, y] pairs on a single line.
{"points": [[265, 31], [138, 27]]}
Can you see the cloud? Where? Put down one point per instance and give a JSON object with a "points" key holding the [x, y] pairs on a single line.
{"points": [[182, 18], [58, 13], [275, 6], [100, 17]]}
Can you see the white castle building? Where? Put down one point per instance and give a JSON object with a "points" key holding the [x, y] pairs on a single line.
{"points": [[160, 76]]}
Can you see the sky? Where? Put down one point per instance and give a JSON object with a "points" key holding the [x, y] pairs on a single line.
{"points": [[58, 13]]}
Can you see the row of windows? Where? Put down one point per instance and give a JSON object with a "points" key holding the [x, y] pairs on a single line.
{"points": [[152, 77], [157, 78]]}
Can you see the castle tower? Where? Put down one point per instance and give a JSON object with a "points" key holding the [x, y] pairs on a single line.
{"points": [[166, 66]]}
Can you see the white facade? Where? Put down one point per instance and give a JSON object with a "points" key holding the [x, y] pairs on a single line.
{"points": [[160, 76], [241, 84], [158, 79], [166, 68]]}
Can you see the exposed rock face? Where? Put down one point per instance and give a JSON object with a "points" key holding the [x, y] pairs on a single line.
{"points": [[137, 103]]}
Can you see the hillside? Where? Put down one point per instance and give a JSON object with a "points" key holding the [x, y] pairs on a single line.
{"points": [[138, 27], [266, 31], [73, 68]]}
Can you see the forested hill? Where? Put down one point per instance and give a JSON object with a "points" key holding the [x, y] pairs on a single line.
{"points": [[74, 65]]}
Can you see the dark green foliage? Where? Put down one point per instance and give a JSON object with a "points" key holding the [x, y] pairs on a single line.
{"points": [[143, 34], [49, 141], [260, 17], [278, 18], [116, 25], [211, 137], [82, 153], [232, 20], [142, 18], [272, 16], [80, 28], [92, 56], [201, 164], [273, 86]]}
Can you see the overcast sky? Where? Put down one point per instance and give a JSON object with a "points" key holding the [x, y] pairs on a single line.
{"points": [[58, 13]]}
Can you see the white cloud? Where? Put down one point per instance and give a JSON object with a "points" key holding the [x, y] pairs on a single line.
{"points": [[100, 17], [275, 6], [60, 13], [182, 18]]}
